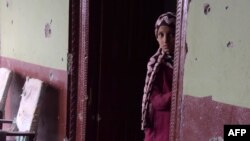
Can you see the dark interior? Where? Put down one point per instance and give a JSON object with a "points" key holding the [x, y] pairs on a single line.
{"points": [[121, 42]]}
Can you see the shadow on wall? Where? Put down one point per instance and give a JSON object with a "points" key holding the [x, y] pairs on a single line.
{"points": [[14, 96]]}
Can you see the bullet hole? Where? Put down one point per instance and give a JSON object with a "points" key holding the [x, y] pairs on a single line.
{"points": [[62, 59], [230, 44], [12, 21], [196, 59], [207, 8], [7, 4], [47, 30], [226, 7]]}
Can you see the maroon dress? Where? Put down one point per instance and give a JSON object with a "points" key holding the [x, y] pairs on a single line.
{"points": [[160, 100]]}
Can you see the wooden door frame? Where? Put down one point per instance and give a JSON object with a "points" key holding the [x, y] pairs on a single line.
{"points": [[180, 53], [78, 69]]}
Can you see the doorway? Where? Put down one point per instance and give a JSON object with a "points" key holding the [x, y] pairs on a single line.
{"points": [[121, 40]]}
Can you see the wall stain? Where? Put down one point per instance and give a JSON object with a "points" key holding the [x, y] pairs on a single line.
{"points": [[47, 29], [8, 3]]}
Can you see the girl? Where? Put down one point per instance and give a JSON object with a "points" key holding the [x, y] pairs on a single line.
{"points": [[158, 84]]}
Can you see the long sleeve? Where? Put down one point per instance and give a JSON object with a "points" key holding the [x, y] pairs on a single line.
{"points": [[160, 100], [161, 92]]}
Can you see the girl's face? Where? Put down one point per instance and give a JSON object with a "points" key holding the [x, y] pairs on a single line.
{"points": [[166, 38]]}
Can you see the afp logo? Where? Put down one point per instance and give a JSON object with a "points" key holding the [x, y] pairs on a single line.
{"points": [[236, 132]]}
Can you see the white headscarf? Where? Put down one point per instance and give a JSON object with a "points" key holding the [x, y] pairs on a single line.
{"points": [[165, 19]]}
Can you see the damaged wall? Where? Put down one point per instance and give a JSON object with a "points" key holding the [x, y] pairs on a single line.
{"points": [[216, 74], [35, 31], [34, 42]]}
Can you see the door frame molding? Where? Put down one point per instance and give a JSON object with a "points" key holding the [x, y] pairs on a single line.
{"points": [[77, 69], [179, 58]]}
